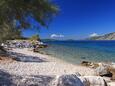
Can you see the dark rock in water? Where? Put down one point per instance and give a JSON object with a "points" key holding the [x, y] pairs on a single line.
{"points": [[43, 46], [48, 54], [69, 80], [85, 62]]}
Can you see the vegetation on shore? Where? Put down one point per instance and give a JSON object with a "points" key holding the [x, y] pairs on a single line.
{"points": [[34, 37], [14, 15]]}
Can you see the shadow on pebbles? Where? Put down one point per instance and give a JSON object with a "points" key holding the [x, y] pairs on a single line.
{"points": [[12, 80]]}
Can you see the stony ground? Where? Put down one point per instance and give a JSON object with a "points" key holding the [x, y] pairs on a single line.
{"points": [[30, 63], [31, 68]]}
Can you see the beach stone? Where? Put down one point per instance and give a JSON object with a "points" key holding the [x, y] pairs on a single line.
{"points": [[85, 63], [112, 70], [69, 80], [102, 69], [85, 81], [77, 74], [93, 81]]}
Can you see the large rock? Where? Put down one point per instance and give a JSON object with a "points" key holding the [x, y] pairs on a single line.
{"points": [[68, 80], [102, 69], [106, 70], [90, 64], [76, 80], [93, 81]]}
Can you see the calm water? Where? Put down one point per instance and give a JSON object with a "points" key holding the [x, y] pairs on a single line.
{"points": [[77, 51]]}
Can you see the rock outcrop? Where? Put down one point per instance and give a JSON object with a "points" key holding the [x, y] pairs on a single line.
{"points": [[75, 80], [68, 80], [102, 69]]}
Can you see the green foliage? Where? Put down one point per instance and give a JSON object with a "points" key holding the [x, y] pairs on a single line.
{"points": [[41, 10], [6, 33], [16, 10], [35, 38]]}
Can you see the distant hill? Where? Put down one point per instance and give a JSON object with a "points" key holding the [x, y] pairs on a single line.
{"points": [[110, 36]]}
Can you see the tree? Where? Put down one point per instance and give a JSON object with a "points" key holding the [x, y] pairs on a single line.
{"points": [[13, 11], [6, 33], [17, 10]]}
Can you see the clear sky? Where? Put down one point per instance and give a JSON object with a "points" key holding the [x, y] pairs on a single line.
{"points": [[80, 19]]}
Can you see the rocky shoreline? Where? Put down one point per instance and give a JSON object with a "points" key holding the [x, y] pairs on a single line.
{"points": [[27, 68]]}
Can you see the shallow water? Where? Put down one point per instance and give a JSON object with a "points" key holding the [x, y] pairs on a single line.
{"points": [[77, 51]]}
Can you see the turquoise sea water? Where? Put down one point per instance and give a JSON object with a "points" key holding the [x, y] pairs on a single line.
{"points": [[77, 51]]}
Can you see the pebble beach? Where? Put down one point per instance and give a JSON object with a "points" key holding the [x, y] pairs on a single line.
{"points": [[32, 68], [44, 65]]}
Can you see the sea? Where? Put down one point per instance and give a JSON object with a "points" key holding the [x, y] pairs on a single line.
{"points": [[81, 50]]}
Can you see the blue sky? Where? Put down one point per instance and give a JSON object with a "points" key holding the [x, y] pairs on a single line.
{"points": [[79, 19]]}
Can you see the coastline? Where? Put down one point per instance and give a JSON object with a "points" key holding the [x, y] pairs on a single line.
{"points": [[33, 67], [48, 66]]}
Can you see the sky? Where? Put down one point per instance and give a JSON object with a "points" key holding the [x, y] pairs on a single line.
{"points": [[79, 19]]}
